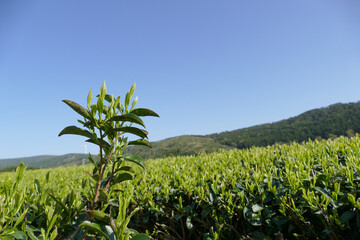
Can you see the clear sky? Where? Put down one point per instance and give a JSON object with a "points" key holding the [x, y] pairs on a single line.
{"points": [[205, 66]]}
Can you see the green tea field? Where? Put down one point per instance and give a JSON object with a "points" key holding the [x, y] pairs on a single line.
{"points": [[296, 191]]}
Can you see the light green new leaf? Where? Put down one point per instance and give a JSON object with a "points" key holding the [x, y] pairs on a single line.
{"points": [[129, 95], [127, 118], [144, 112], [89, 99], [135, 159], [79, 109], [103, 91], [136, 131], [134, 102], [75, 131], [100, 215]]}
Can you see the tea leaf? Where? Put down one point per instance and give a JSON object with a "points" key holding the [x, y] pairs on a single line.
{"points": [[79, 109], [144, 112], [75, 131]]}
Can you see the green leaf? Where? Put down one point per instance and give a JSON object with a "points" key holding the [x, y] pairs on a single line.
{"points": [[134, 102], [109, 98], [257, 208], [37, 186], [91, 159], [135, 159], [140, 236], [89, 99], [122, 177], [105, 144], [129, 95], [7, 237], [108, 231], [19, 173], [94, 227], [59, 202], [77, 108], [144, 112], [136, 131], [103, 91], [346, 216], [142, 142], [127, 118], [75, 131], [100, 215], [96, 177], [125, 168], [30, 233], [22, 216]]}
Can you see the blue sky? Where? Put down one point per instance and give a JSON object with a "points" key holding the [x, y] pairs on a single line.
{"points": [[205, 66]]}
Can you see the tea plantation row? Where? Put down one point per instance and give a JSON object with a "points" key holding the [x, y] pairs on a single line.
{"points": [[297, 191]]}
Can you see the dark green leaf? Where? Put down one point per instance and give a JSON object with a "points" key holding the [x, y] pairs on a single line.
{"points": [[17, 234], [75, 131], [125, 168], [96, 177], [122, 177], [77, 108], [104, 143], [135, 159], [144, 112], [136, 131], [142, 142], [346, 216], [127, 118]]}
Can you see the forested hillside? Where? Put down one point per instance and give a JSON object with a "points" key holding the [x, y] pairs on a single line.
{"points": [[328, 122]]}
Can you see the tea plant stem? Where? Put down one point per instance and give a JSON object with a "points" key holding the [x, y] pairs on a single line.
{"points": [[98, 184], [113, 168]]}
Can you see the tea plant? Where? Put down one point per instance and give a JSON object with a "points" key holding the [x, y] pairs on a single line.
{"points": [[107, 126]]}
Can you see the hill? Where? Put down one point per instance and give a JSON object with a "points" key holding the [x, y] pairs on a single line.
{"points": [[46, 161], [323, 123], [181, 145]]}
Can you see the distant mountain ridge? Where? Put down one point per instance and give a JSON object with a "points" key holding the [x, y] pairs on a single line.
{"points": [[47, 161], [327, 122]]}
